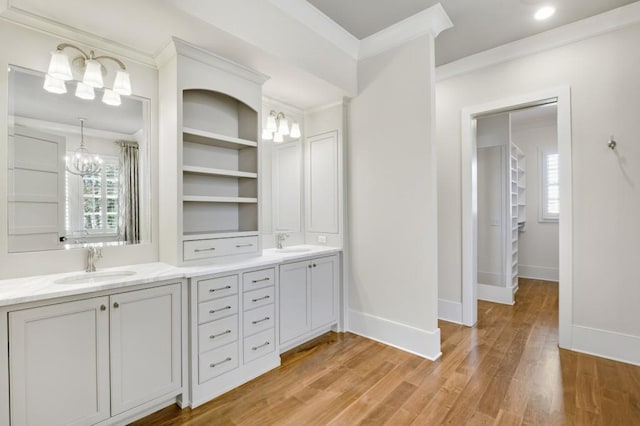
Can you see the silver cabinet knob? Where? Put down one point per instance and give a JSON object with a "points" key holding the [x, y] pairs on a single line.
{"points": [[103, 308], [116, 305]]}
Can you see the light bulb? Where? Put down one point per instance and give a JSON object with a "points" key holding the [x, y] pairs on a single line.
{"points": [[544, 13], [122, 83], [111, 98], [271, 124], [277, 137], [93, 74], [54, 85], [85, 92], [59, 66], [266, 134], [295, 131], [283, 129]]}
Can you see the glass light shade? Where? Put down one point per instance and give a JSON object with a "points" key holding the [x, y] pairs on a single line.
{"points": [[283, 129], [54, 85], [111, 98], [271, 124], [93, 74], [267, 135], [295, 131], [85, 92], [59, 66], [277, 137], [122, 83]]}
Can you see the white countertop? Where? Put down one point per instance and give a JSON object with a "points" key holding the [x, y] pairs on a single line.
{"points": [[42, 287]]}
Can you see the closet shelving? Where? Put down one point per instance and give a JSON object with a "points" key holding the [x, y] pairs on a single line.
{"points": [[517, 205]]}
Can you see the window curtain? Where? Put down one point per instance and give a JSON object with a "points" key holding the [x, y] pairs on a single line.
{"points": [[129, 195]]}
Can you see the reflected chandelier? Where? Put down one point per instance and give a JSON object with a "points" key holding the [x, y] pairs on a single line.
{"points": [[82, 162]]}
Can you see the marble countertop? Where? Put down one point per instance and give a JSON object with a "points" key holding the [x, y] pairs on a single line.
{"points": [[43, 287]]}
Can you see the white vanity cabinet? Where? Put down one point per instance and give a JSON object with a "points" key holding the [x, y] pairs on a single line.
{"points": [[308, 299], [88, 361]]}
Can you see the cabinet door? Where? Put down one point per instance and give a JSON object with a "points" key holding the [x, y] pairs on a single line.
{"points": [[324, 291], [322, 180], [58, 363], [145, 346], [294, 301]]}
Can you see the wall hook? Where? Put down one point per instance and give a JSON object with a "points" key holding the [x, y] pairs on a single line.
{"points": [[612, 143]]}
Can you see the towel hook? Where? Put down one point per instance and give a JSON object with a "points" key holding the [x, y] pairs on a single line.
{"points": [[612, 143]]}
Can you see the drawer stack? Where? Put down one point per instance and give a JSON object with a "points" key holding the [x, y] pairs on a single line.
{"points": [[218, 327], [258, 300]]}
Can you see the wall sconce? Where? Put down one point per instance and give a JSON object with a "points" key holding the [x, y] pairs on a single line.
{"points": [[93, 72], [278, 126]]}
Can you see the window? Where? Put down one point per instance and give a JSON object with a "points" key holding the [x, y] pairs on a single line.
{"points": [[92, 201], [549, 186]]}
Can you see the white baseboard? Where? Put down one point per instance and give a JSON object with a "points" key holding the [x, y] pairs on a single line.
{"points": [[606, 344], [490, 278], [409, 339], [497, 294], [539, 272], [450, 311]]}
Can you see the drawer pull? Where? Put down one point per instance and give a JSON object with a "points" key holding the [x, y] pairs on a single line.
{"points": [[215, 364], [213, 336], [261, 298], [259, 321], [255, 348], [243, 245], [213, 311], [211, 290], [260, 280], [204, 249]]}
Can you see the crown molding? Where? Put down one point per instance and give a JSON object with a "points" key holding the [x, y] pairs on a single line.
{"points": [[432, 21], [576, 31], [47, 26], [272, 103]]}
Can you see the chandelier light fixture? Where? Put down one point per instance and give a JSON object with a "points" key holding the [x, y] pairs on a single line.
{"points": [[93, 72], [278, 126], [82, 162]]}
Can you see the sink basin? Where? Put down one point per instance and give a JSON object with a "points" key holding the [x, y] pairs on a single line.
{"points": [[294, 249], [94, 277]]}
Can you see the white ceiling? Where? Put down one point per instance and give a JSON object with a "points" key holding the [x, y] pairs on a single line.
{"points": [[478, 25]]}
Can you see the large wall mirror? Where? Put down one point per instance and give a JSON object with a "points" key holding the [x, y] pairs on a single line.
{"points": [[50, 205]]}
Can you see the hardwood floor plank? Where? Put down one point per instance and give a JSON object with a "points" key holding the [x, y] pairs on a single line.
{"points": [[507, 370]]}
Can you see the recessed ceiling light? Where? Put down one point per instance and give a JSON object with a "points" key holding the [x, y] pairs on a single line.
{"points": [[544, 13]]}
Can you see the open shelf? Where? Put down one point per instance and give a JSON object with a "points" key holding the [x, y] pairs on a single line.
{"points": [[215, 139], [209, 199], [226, 233], [218, 172]]}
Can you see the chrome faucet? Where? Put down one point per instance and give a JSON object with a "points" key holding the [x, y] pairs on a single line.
{"points": [[92, 256], [280, 238]]}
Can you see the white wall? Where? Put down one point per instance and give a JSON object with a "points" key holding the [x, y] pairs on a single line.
{"points": [[392, 200], [538, 248], [33, 52], [605, 99]]}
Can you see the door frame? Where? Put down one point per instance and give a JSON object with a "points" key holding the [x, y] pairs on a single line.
{"points": [[562, 95]]}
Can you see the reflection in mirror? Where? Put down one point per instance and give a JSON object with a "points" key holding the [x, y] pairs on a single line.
{"points": [[52, 204]]}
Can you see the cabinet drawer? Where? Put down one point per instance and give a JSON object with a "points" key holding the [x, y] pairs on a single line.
{"points": [[215, 288], [256, 298], [216, 309], [217, 362], [259, 344], [217, 333], [258, 279], [216, 247], [259, 319]]}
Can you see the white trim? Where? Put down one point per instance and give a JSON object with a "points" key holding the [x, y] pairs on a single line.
{"points": [[326, 106], [321, 24], [538, 272], [497, 294], [419, 342], [450, 311], [607, 344], [432, 21], [272, 103], [557, 37], [469, 219], [67, 33]]}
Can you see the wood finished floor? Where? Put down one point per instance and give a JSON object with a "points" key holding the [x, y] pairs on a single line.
{"points": [[507, 370]]}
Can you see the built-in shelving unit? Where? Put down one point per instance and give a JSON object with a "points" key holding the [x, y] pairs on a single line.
{"points": [[514, 210]]}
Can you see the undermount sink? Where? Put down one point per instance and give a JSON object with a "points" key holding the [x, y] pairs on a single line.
{"points": [[294, 249], [94, 277]]}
